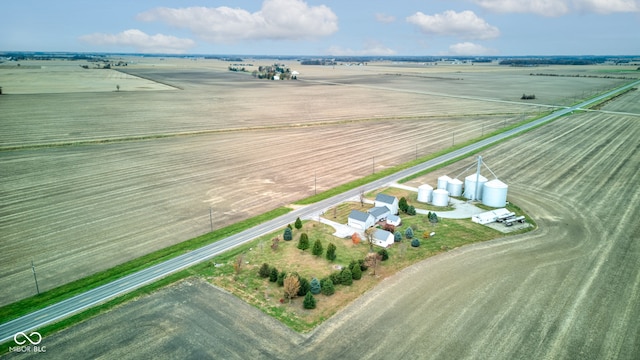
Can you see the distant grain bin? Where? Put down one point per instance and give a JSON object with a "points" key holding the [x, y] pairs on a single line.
{"points": [[454, 187], [443, 181], [494, 193], [440, 197], [424, 193], [470, 186]]}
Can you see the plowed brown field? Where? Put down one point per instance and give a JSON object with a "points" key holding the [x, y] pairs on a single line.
{"points": [[229, 142], [568, 290]]}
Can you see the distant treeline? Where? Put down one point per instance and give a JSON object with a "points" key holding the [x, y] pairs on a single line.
{"points": [[538, 62], [317, 62], [587, 76]]}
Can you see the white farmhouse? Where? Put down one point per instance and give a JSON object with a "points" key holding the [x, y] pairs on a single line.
{"points": [[383, 238], [360, 220], [389, 201], [380, 212]]}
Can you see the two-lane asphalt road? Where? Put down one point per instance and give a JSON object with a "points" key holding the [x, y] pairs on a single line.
{"points": [[136, 280]]}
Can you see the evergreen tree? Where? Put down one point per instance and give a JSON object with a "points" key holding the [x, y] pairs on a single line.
{"points": [[433, 218], [415, 242], [336, 277], [317, 248], [298, 224], [281, 277], [288, 235], [315, 286], [408, 233], [363, 265], [273, 274], [346, 278], [303, 243], [384, 254], [402, 204], [264, 271], [327, 287], [397, 236], [356, 272], [411, 210], [304, 286], [331, 252], [309, 301]]}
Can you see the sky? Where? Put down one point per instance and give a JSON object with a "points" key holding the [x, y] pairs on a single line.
{"points": [[324, 27]]}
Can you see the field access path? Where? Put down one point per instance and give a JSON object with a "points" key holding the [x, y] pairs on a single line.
{"points": [[128, 283]]}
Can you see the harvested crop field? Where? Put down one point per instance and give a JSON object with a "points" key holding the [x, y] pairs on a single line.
{"points": [[91, 179], [568, 290]]}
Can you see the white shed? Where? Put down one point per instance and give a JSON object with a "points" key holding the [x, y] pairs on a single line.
{"points": [[383, 238], [394, 220], [360, 220], [389, 201]]}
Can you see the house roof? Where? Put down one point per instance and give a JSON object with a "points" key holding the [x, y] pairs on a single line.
{"points": [[393, 218], [381, 234], [378, 211], [359, 215], [387, 199]]}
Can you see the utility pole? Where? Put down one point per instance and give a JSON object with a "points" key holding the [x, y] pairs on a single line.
{"points": [[211, 218], [33, 268]]}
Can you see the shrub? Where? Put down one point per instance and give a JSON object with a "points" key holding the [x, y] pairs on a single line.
{"points": [[411, 210], [304, 286], [363, 265], [397, 236], [303, 243], [291, 286], [388, 227], [433, 218], [331, 252], [281, 277], [384, 254], [415, 242], [273, 274], [355, 238], [309, 301], [346, 278], [317, 248], [288, 235], [327, 287], [356, 272], [264, 271], [298, 223], [335, 277], [315, 286], [408, 233]]}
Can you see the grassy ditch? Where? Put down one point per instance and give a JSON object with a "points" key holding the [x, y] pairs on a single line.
{"points": [[66, 291], [269, 297]]}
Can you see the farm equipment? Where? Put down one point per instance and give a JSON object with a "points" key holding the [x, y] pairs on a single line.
{"points": [[506, 216], [510, 221]]}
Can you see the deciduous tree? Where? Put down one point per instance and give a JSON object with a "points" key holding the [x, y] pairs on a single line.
{"points": [[291, 286], [372, 260]]}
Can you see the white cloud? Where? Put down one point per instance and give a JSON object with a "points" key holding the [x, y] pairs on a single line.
{"points": [[276, 20], [384, 18], [559, 7], [468, 49], [372, 48], [141, 41], [607, 6], [465, 24]]}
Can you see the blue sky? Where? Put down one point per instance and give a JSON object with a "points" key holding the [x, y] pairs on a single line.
{"points": [[325, 27]]}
